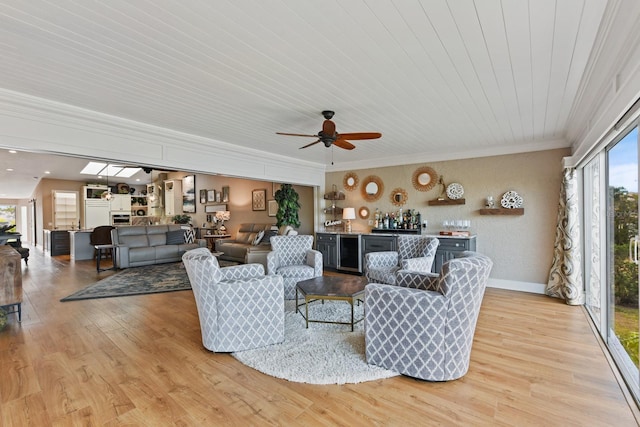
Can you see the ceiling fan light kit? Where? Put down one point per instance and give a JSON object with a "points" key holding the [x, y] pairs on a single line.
{"points": [[328, 135]]}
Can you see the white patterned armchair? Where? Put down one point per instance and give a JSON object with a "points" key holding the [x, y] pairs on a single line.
{"points": [[239, 307], [415, 253], [424, 326], [293, 258]]}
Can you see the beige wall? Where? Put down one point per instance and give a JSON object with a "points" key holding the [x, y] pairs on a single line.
{"points": [[240, 191], [520, 246], [239, 195]]}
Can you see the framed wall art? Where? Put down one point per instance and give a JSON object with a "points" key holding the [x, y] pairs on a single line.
{"points": [[259, 200], [203, 196], [189, 194], [225, 194], [273, 208], [211, 196], [215, 208]]}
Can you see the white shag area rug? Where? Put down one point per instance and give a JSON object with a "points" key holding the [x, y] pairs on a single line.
{"points": [[322, 354]]}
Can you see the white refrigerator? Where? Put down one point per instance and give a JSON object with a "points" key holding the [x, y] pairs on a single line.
{"points": [[96, 212]]}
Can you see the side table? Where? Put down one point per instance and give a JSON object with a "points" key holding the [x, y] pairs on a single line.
{"points": [[211, 239], [99, 249]]}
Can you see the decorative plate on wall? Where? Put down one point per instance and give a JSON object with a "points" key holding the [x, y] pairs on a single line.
{"points": [[424, 178], [455, 191], [511, 200], [350, 181]]}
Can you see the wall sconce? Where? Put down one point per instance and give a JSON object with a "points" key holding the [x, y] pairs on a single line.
{"points": [[348, 214]]}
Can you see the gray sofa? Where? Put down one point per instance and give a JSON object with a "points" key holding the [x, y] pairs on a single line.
{"points": [[138, 245], [241, 248]]}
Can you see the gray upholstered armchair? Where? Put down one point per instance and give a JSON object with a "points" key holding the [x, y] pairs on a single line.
{"points": [[239, 307], [424, 326], [293, 258], [415, 253]]}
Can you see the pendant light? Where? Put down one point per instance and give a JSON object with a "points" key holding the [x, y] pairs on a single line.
{"points": [[107, 194]]}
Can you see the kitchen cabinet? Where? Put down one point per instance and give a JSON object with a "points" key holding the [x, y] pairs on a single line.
{"points": [[120, 203], [172, 197], [327, 244], [95, 208], [377, 243], [450, 247]]}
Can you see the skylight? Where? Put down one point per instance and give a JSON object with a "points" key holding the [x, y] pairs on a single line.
{"points": [[99, 168]]}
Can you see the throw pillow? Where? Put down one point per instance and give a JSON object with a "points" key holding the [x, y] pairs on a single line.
{"points": [[259, 237], [189, 236], [267, 236], [421, 265], [175, 237]]}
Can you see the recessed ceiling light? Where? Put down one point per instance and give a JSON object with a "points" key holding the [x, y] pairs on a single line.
{"points": [[10, 169], [13, 151], [47, 172]]}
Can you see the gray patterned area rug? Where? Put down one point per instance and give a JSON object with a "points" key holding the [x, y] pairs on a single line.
{"points": [[322, 354], [149, 279]]}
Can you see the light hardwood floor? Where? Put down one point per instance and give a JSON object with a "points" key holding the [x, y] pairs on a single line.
{"points": [[139, 361]]}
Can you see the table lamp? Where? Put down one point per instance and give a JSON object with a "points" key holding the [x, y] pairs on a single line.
{"points": [[348, 214], [223, 216]]}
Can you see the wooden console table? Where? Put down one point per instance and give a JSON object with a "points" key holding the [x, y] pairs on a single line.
{"points": [[211, 239], [10, 280]]}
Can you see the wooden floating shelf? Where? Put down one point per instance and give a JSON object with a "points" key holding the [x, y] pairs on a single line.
{"points": [[502, 211], [446, 202]]}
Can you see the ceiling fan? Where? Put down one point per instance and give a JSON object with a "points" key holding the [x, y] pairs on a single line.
{"points": [[328, 135]]}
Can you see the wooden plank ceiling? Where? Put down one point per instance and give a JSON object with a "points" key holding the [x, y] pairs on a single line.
{"points": [[433, 76]]}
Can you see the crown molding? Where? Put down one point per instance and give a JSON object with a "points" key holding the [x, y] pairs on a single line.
{"points": [[542, 145], [37, 124]]}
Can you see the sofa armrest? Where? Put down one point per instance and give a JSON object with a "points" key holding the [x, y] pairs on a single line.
{"points": [[122, 256]]}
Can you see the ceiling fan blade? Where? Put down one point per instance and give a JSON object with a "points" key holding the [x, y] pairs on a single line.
{"points": [[360, 135], [309, 145], [343, 143], [296, 134]]}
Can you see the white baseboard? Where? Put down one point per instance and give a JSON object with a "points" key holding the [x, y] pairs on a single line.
{"points": [[514, 285]]}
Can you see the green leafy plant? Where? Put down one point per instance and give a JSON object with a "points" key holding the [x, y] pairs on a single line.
{"points": [[288, 206], [181, 219]]}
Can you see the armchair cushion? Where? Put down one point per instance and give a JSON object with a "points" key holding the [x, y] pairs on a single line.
{"points": [[422, 264]]}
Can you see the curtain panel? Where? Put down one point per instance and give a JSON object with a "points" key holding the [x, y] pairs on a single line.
{"points": [[565, 276]]}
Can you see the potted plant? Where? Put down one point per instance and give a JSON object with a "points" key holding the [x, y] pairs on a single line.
{"points": [[181, 219], [288, 206]]}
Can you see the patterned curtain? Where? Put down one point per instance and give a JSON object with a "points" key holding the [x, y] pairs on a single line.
{"points": [[565, 277]]}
